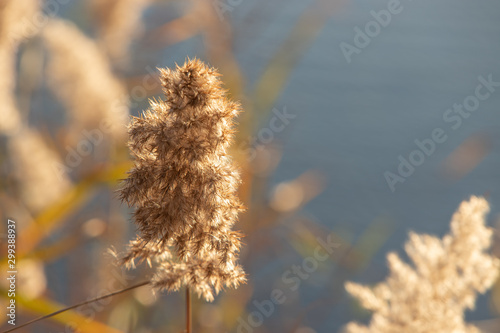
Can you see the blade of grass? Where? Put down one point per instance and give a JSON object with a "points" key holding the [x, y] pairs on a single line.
{"points": [[50, 218], [307, 28], [57, 249], [372, 239]]}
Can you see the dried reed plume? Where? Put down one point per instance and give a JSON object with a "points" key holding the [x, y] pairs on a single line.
{"points": [[15, 25], [184, 184], [431, 297], [117, 22], [35, 162], [81, 77]]}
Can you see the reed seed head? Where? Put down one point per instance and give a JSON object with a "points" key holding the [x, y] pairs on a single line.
{"points": [[432, 295], [184, 183]]}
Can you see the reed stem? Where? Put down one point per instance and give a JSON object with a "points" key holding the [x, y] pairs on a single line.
{"points": [[188, 310]]}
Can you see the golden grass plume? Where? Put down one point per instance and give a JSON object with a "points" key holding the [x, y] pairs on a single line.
{"points": [[15, 26], [432, 295], [81, 77], [35, 169], [184, 184], [117, 22]]}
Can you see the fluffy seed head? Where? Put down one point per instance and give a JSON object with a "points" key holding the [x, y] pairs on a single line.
{"points": [[184, 184], [432, 295]]}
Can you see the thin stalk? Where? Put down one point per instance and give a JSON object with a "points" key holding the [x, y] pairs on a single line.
{"points": [[78, 305], [188, 311]]}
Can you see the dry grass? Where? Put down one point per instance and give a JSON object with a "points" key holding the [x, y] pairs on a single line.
{"points": [[431, 296], [184, 184]]}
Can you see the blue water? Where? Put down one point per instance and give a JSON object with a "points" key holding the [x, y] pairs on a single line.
{"points": [[354, 120]]}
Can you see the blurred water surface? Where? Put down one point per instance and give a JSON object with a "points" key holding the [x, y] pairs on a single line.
{"points": [[355, 119]]}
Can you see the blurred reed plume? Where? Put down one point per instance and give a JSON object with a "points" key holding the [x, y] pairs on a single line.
{"points": [[117, 21], [81, 77], [184, 184], [431, 297], [39, 186], [13, 30]]}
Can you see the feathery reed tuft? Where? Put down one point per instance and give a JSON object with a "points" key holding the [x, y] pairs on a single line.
{"points": [[39, 184], [15, 26], [431, 297], [117, 21], [81, 77], [184, 184]]}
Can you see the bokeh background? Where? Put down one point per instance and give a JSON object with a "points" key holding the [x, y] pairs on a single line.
{"points": [[319, 133]]}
